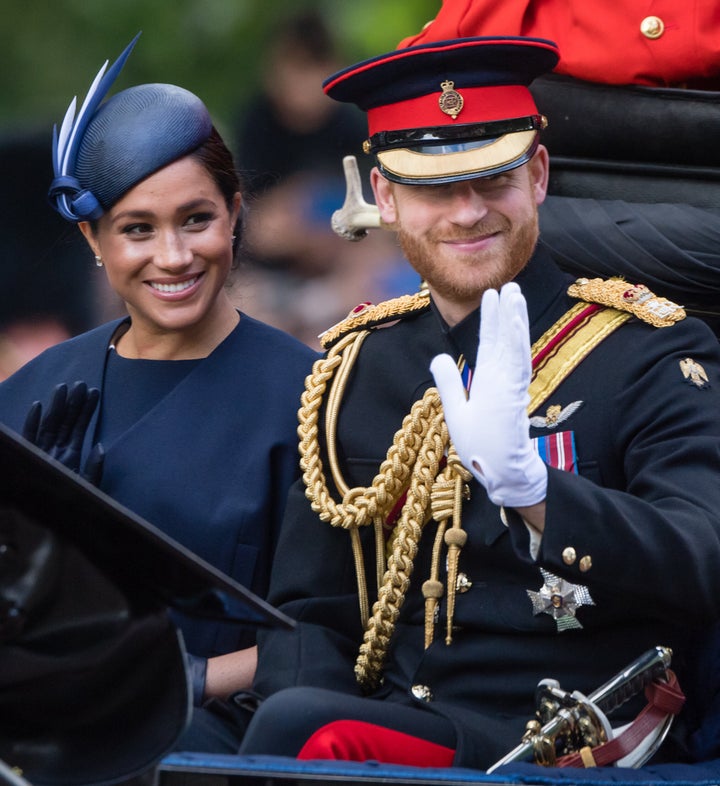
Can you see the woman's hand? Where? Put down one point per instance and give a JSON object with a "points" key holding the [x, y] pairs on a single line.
{"points": [[60, 431]]}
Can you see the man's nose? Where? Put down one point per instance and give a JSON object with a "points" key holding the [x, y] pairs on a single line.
{"points": [[468, 203]]}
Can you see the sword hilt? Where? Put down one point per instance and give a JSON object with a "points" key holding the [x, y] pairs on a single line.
{"points": [[540, 740]]}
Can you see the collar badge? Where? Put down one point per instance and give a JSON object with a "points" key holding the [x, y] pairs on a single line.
{"points": [[450, 101], [694, 373], [560, 599]]}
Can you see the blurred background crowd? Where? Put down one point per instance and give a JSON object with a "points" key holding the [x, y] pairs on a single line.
{"points": [[259, 66]]}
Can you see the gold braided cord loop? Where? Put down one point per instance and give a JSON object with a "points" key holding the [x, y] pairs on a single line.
{"points": [[360, 506], [311, 464], [415, 514], [410, 468], [337, 391]]}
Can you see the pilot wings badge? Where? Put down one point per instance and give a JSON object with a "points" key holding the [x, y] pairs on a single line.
{"points": [[555, 415]]}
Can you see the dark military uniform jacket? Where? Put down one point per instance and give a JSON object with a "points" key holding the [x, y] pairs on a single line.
{"points": [[638, 525]]}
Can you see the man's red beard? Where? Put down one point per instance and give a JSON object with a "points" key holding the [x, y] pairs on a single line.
{"points": [[420, 253]]}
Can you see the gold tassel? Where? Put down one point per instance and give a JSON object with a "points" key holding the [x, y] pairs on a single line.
{"points": [[455, 539], [432, 592]]}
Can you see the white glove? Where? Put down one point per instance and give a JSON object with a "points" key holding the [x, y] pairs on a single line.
{"points": [[490, 427]]}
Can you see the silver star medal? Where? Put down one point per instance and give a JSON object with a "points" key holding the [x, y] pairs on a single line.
{"points": [[560, 599]]}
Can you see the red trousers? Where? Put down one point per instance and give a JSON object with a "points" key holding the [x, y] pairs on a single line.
{"points": [[349, 740]]}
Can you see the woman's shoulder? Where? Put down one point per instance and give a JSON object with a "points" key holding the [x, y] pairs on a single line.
{"points": [[277, 340], [78, 348], [77, 358]]}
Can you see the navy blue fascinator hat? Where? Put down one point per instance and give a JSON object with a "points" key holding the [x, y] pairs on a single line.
{"points": [[109, 147]]}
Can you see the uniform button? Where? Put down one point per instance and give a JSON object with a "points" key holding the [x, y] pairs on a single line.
{"points": [[585, 563], [652, 27], [463, 583], [421, 692], [569, 555]]}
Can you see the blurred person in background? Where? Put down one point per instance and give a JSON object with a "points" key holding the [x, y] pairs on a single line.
{"points": [[290, 144], [47, 292]]}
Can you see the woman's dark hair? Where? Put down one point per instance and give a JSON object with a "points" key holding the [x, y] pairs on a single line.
{"points": [[214, 155], [218, 161]]}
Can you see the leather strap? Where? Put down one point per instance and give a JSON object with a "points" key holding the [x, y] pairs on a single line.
{"points": [[664, 699]]}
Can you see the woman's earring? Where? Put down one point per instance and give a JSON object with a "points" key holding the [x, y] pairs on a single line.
{"points": [[234, 238], [98, 261]]}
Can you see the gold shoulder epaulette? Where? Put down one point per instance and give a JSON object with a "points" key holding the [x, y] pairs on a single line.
{"points": [[367, 315], [635, 298]]}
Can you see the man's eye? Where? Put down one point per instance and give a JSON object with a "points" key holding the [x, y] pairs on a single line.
{"points": [[434, 191]]}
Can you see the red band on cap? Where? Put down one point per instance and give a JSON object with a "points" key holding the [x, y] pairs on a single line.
{"points": [[481, 105]]}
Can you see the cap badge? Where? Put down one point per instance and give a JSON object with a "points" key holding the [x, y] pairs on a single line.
{"points": [[694, 373], [450, 101]]}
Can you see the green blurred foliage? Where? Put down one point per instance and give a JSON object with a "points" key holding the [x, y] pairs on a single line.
{"points": [[51, 51]]}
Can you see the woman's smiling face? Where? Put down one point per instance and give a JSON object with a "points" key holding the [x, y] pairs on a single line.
{"points": [[167, 248]]}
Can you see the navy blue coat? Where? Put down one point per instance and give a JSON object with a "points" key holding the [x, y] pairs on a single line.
{"points": [[210, 464], [645, 507]]}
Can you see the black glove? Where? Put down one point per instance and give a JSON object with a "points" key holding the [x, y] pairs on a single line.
{"points": [[61, 431]]}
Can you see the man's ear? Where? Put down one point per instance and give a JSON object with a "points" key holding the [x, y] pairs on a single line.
{"points": [[539, 169], [384, 197]]}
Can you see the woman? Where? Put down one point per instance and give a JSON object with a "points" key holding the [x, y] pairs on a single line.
{"points": [[197, 401]]}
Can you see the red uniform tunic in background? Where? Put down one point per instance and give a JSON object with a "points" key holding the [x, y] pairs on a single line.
{"points": [[645, 42]]}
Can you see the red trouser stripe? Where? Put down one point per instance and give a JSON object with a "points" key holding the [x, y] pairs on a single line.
{"points": [[347, 740]]}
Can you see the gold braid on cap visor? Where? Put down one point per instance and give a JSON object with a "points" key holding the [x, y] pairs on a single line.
{"points": [[496, 155]]}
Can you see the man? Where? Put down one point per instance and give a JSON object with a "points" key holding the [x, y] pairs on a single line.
{"points": [[566, 525]]}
